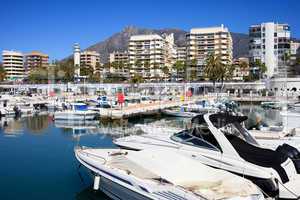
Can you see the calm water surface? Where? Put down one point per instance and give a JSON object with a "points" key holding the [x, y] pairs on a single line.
{"points": [[37, 159]]}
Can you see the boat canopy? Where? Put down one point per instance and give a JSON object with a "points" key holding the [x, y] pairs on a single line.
{"points": [[220, 119], [80, 106]]}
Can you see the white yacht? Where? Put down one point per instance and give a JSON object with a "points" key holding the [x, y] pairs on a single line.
{"points": [[75, 111], [220, 141], [274, 136], [161, 174], [202, 106], [7, 108], [178, 112]]}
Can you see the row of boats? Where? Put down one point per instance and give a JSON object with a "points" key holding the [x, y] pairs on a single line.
{"points": [[215, 158]]}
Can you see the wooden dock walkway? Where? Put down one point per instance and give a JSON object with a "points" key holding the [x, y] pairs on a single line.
{"points": [[139, 109]]}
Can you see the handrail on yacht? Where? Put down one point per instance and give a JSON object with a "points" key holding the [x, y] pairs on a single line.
{"points": [[91, 154], [150, 137]]}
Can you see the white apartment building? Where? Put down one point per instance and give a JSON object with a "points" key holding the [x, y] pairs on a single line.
{"points": [[268, 43], [202, 42], [181, 53], [13, 64], [148, 54], [119, 57], [90, 59]]}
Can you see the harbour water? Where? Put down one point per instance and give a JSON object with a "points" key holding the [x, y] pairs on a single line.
{"points": [[37, 159]]}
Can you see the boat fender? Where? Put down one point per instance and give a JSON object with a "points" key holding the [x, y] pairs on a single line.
{"points": [[96, 182]]}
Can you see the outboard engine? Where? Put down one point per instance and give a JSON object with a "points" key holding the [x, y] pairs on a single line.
{"points": [[292, 153]]}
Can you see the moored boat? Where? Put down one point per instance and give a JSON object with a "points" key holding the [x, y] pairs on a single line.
{"points": [[147, 174], [76, 111], [219, 140]]}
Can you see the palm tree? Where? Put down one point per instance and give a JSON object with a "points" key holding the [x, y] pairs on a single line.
{"points": [[65, 70], [193, 70], [226, 73], [214, 69], [179, 67], [2, 73], [243, 65], [262, 68], [137, 78], [115, 65], [166, 70]]}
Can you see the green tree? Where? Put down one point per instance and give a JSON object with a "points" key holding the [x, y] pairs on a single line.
{"points": [[244, 66], [226, 73], [179, 68], [96, 77], [193, 70], [166, 71], [38, 75], [137, 78], [214, 69], [262, 68], [2, 73], [65, 71], [298, 61], [115, 65], [87, 71]]}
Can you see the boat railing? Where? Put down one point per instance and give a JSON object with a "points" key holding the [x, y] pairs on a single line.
{"points": [[91, 154]]}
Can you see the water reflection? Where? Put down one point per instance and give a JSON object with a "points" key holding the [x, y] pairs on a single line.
{"points": [[11, 126], [37, 124], [119, 128], [90, 194], [58, 144]]}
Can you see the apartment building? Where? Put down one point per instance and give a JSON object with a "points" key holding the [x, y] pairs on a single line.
{"points": [[295, 47], [202, 42], [90, 59], [268, 43], [119, 57], [13, 64], [241, 68], [35, 59], [149, 54], [181, 53]]}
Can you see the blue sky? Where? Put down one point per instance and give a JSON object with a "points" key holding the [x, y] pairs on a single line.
{"points": [[52, 26]]}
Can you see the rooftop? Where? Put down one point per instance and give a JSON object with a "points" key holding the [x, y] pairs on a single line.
{"points": [[209, 29]]}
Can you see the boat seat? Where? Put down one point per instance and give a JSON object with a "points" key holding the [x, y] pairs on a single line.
{"points": [[260, 156]]}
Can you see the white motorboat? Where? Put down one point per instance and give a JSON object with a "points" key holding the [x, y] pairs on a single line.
{"points": [[274, 136], [201, 107], [161, 175], [272, 105], [26, 109], [178, 113], [76, 111], [7, 108], [219, 140]]}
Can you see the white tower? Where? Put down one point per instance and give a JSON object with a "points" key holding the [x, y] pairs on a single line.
{"points": [[77, 59]]}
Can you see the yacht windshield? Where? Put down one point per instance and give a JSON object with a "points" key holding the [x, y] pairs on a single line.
{"points": [[236, 129], [199, 136]]}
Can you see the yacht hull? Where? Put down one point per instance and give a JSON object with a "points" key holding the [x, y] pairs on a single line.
{"points": [[118, 192], [74, 116]]}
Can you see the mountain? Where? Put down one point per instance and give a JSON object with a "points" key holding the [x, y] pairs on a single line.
{"points": [[119, 41]]}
